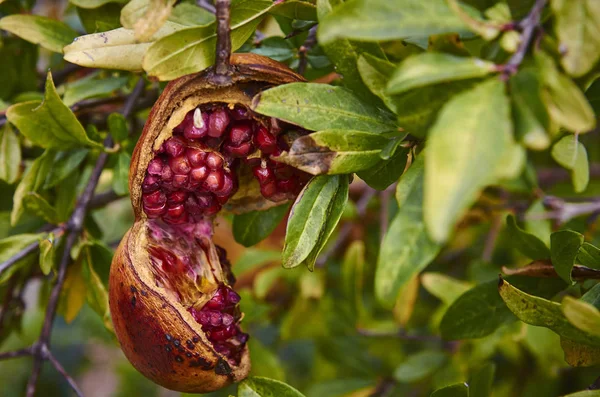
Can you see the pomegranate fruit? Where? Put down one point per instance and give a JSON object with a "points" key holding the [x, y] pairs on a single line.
{"points": [[174, 309]]}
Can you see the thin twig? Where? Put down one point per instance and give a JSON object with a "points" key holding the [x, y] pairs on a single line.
{"points": [[41, 349], [492, 237], [222, 65], [529, 24], [207, 5], [563, 211], [595, 385], [308, 44], [30, 249], [344, 233], [64, 373], [16, 353], [384, 388]]}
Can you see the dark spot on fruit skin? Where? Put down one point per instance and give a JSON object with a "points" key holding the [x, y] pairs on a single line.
{"points": [[144, 293], [169, 337], [176, 342], [201, 362], [195, 339], [222, 367], [179, 359], [133, 289], [168, 348], [190, 345], [188, 354], [133, 301]]}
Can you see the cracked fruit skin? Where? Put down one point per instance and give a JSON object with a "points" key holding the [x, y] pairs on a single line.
{"points": [[172, 302]]}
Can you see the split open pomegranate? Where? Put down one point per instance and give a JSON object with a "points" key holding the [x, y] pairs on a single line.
{"points": [[172, 296]]}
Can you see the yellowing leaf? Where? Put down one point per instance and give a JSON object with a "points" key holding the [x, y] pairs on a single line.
{"points": [[115, 49], [474, 128]]}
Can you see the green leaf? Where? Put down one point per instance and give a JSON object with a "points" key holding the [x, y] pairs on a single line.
{"points": [[64, 164], [577, 26], [529, 111], [49, 124], [488, 30], [537, 223], [100, 19], [40, 207], [375, 73], [335, 152], [96, 255], [417, 110], [406, 248], [264, 387], [457, 390], [344, 54], [47, 253], [294, 9], [120, 182], [474, 128], [91, 88], [377, 20], [481, 381], [589, 256], [571, 154], [432, 68], [582, 315], [565, 102], [314, 215], [322, 107], [117, 126], [419, 366], [529, 244], [564, 247], [32, 181], [191, 15], [12, 245], [51, 34], [253, 227], [151, 20], [115, 49], [542, 313], [94, 3], [10, 154], [445, 288], [593, 295], [276, 48], [480, 311], [193, 49], [386, 172]]}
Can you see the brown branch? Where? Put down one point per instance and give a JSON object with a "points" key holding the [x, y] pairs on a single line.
{"points": [[64, 373], [30, 249], [207, 5], [309, 43], [40, 350], [529, 24], [563, 211], [222, 65], [16, 353], [545, 269]]}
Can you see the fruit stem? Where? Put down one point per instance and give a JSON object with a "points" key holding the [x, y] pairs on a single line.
{"points": [[222, 65]]}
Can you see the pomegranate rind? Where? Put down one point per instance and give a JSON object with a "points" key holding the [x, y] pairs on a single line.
{"points": [[253, 73], [158, 336]]}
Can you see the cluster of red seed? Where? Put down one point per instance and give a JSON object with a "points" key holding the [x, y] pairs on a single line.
{"points": [[219, 319], [221, 315], [194, 172]]}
